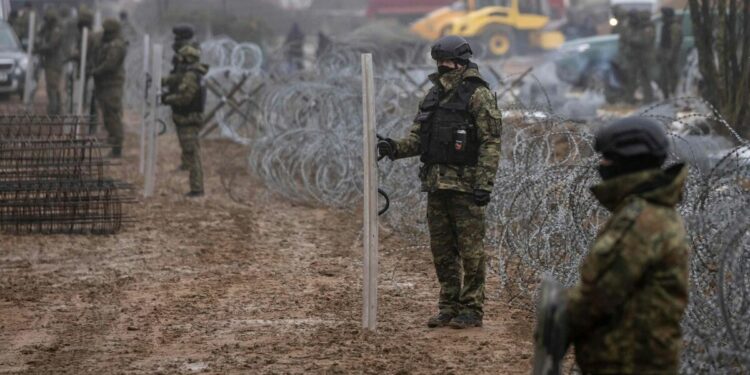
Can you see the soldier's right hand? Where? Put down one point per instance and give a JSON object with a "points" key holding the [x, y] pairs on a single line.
{"points": [[386, 147]]}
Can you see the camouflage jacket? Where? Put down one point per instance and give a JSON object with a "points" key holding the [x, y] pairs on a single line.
{"points": [[188, 83], [625, 313], [50, 46], [488, 120], [109, 61], [21, 25], [639, 40]]}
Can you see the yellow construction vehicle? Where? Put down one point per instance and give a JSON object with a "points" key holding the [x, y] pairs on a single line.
{"points": [[439, 22], [509, 27]]}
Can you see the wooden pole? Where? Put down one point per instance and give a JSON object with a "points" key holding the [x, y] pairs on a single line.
{"points": [[27, 89], [369, 158], [80, 89], [151, 149], [145, 104]]}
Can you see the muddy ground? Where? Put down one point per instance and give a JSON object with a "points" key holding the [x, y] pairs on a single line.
{"points": [[251, 285]]}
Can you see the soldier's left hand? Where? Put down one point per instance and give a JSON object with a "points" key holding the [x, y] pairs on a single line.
{"points": [[482, 197]]}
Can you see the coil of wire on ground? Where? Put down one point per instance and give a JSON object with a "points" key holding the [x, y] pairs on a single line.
{"points": [[304, 143]]}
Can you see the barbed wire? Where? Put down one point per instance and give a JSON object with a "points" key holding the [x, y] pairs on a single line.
{"points": [[302, 130]]}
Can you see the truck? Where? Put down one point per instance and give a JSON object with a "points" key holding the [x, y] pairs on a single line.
{"points": [[510, 27], [439, 22]]}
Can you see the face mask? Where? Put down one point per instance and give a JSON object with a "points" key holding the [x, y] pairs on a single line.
{"points": [[608, 171], [445, 69]]}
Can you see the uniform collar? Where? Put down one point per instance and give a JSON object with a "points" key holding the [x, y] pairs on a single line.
{"points": [[662, 187], [451, 80]]}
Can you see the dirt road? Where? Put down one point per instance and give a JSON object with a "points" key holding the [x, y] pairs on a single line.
{"points": [[216, 286]]}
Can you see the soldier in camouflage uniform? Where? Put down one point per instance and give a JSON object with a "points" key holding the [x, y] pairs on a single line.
{"points": [[457, 135], [183, 36], [668, 54], [109, 77], [624, 315], [639, 58], [187, 111], [21, 24], [51, 52]]}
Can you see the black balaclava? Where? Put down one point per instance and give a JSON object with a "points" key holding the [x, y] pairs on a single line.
{"points": [[461, 64]]}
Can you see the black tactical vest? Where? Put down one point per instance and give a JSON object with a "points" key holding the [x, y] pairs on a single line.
{"points": [[448, 133]]}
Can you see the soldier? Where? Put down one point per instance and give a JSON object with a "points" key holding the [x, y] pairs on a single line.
{"points": [[187, 103], [21, 24], [457, 134], [109, 77], [639, 54], [624, 314], [668, 54], [51, 52], [183, 36]]}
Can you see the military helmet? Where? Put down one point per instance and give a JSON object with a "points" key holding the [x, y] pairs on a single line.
{"points": [[633, 138], [190, 53], [111, 25], [183, 31], [85, 16], [50, 15], [451, 47]]}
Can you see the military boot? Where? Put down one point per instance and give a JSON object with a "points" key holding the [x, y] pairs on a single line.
{"points": [[194, 194], [466, 320], [116, 152], [440, 320]]}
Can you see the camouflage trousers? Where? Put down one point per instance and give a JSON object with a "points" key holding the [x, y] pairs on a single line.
{"points": [[188, 135], [456, 226], [109, 101], [52, 79]]}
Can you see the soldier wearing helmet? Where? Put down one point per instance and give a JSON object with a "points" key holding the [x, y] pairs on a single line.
{"points": [[638, 55], [624, 314], [21, 23], [109, 78], [456, 134], [187, 102], [668, 52], [50, 50], [184, 35]]}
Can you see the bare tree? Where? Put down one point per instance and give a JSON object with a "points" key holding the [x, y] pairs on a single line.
{"points": [[722, 38]]}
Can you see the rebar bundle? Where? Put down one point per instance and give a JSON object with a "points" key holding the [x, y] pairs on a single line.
{"points": [[52, 181]]}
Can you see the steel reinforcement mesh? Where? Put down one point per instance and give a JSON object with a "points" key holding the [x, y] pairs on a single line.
{"points": [[52, 181]]}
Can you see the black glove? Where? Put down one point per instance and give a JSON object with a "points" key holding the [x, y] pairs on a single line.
{"points": [[386, 147], [481, 197]]}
